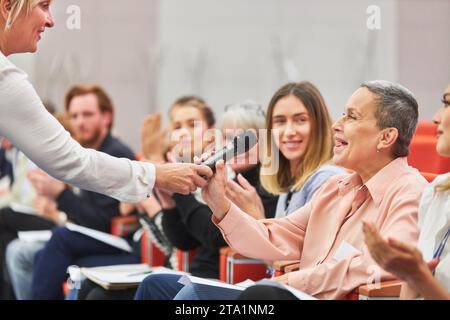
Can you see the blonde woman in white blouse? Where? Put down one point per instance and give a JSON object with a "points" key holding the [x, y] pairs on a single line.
{"points": [[25, 122], [425, 270]]}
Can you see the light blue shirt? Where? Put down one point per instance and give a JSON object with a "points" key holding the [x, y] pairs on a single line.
{"points": [[302, 196]]}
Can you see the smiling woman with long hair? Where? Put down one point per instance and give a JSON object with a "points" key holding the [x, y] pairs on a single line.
{"points": [[298, 132]]}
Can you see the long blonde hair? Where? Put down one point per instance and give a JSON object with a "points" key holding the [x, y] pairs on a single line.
{"points": [[319, 149], [16, 9], [445, 186]]}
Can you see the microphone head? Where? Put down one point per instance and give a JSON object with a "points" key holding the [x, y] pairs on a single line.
{"points": [[242, 143]]}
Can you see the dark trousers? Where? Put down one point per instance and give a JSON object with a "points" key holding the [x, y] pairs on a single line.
{"points": [[264, 292], [67, 248], [167, 287], [10, 223], [159, 287], [92, 291]]}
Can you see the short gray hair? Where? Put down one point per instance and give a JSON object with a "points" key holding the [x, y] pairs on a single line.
{"points": [[245, 115], [396, 108]]}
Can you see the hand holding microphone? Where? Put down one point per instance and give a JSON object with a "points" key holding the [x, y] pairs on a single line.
{"points": [[214, 191], [242, 143]]}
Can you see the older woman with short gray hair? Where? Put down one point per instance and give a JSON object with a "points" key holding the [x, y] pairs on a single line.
{"points": [[244, 187], [371, 139], [396, 107]]}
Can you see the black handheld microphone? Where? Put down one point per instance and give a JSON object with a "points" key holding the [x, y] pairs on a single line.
{"points": [[242, 143]]}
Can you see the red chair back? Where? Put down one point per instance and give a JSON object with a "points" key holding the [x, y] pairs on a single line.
{"points": [[429, 176], [150, 253], [424, 157], [184, 259]]}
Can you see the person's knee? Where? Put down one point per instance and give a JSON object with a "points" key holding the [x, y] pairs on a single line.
{"points": [[60, 234], [61, 239], [260, 292], [159, 287], [149, 286], [189, 292], [12, 253], [97, 294], [22, 253]]}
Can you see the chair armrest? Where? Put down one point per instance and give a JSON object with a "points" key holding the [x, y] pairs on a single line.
{"points": [[231, 253], [285, 266], [386, 289], [121, 226], [235, 267]]}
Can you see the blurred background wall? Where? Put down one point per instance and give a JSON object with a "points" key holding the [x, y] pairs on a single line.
{"points": [[146, 53]]}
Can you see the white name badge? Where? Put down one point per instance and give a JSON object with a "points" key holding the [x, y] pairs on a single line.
{"points": [[344, 250]]}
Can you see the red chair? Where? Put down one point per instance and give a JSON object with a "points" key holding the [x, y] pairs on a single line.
{"points": [[429, 176], [121, 226], [235, 268], [426, 128], [184, 259], [150, 253], [424, 157]]}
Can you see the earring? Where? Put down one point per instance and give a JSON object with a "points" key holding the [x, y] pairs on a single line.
{"points": [[378, 150]]}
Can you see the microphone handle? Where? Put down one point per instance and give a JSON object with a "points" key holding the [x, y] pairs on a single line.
{"points": [[224, 154]]}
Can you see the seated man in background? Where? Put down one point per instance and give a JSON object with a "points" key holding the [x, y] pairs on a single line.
{"points": [[91, 117]]}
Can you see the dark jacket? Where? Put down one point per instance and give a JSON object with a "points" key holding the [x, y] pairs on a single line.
{"points": [[188, 226], [91, 209], [6, 168]]}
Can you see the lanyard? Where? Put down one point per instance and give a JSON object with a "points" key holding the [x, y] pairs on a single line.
{"points": [[441, 247], [288, 201]]}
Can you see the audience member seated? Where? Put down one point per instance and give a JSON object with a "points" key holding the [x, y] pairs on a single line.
{"points": [[299, 114], [244, 184], [299, 125], [371, 139], [150, 218], [154, 141], [187, 221], [426, 269], [190, 118], [17, 204], [91, 118]]}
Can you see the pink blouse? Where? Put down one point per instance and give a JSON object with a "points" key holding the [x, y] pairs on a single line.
{"points": [[326, 234]]}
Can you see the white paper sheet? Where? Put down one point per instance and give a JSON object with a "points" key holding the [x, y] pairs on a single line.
{"points": [[17, 207], [187, 279], [34, 236], [114, 241], [345, 250], [132, 273], [299, 294], [113, 276]]}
